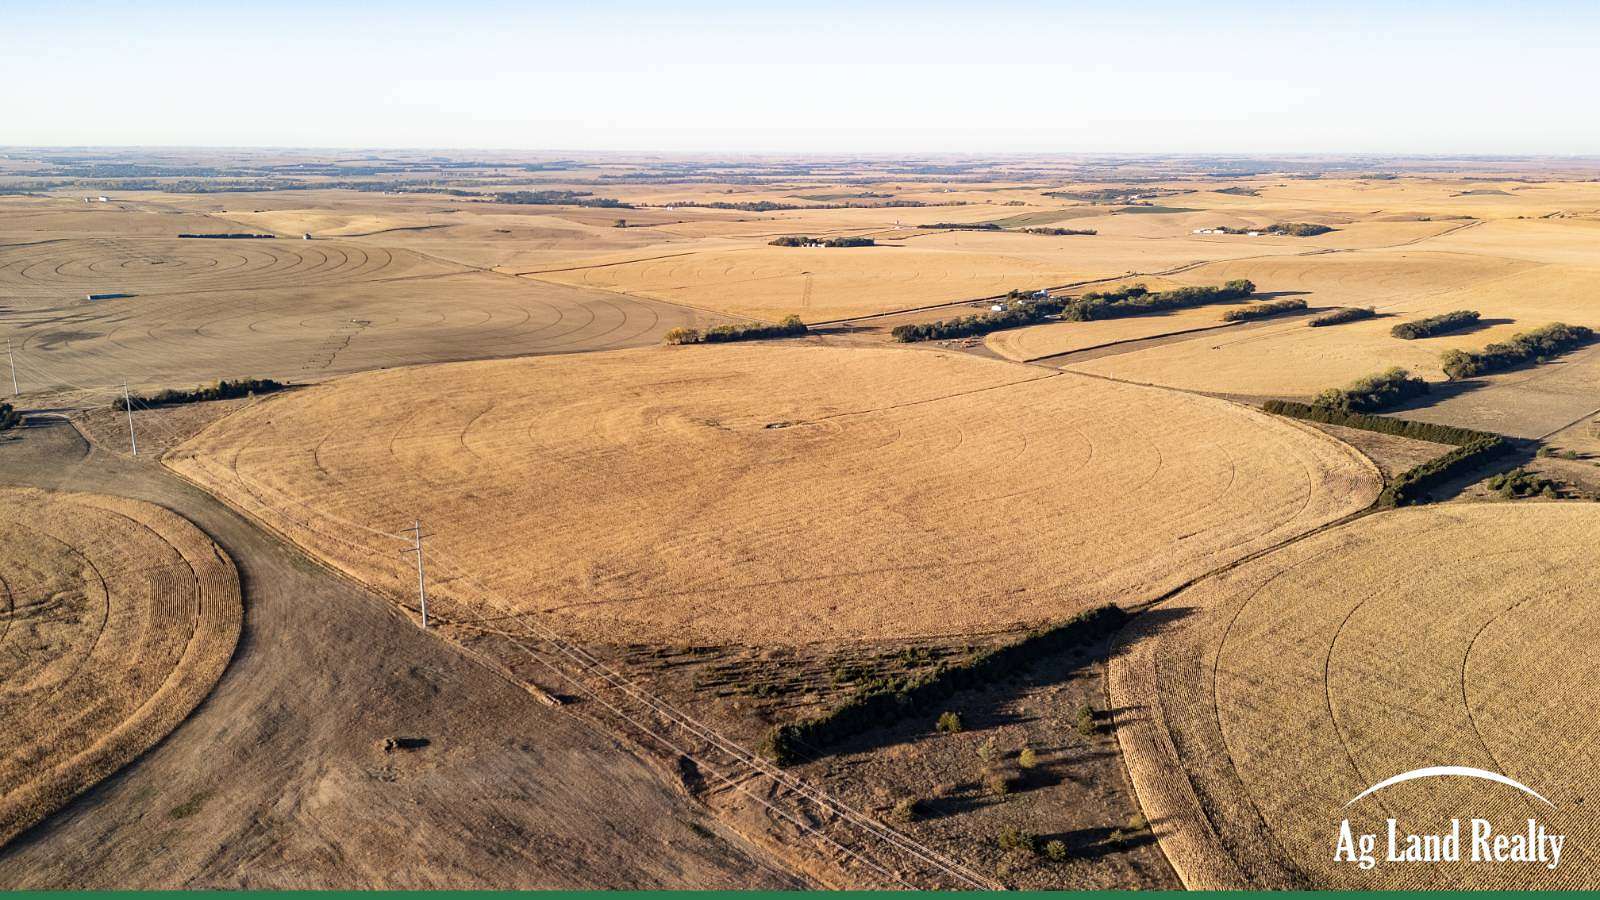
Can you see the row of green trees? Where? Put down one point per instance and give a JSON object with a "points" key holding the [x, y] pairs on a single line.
{"points": [[1374, 392], [1061, 232], [1471, 448], [790, 326], [1432, 325], [1414, 484], [559, 198], [1136, 300], [1343, 314], [921, 695], [1023, 309], [1263, 310], [1013, 316], [801, 240], [1406, 428], [1530, 346], [222, 390]]}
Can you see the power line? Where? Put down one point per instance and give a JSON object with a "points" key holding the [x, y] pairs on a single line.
{"points": [[128, 405], [657, 708], [422, 582]]}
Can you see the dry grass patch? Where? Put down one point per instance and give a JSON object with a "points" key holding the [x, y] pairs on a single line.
{"points": [[775, 494], [116, 618], [1297, 680]]}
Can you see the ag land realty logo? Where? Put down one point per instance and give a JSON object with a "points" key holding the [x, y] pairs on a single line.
{"points": [[1470, 840]]}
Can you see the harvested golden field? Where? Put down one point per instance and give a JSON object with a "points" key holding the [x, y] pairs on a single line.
{"points": [[907, 269], [1054, 338], [185, 311], [116, 618], [775, 494], [1271, 695], [1289, 359]]}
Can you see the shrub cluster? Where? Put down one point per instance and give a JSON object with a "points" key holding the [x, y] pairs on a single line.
{"points": [[790, 326], [1530, 346], [1012, 838], [1373, 393], [1412, 485], [965, 226], [789, 743], [1298, 229], [1433, 325], [1085, 722], [1060, 232], [1418, 431], [1342, 315], [910, 809], [222, 390], [9, 416], [1522, 483], [1263, 310], [801, 240]]}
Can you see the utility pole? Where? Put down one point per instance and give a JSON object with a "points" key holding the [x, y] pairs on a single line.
{"points": [[127, 404], [422, 581], [13, 358]]}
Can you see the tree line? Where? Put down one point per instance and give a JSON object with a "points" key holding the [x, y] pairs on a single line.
{"points": [[1471, 448], [1530, 346], [790, 326], [1342, 315], [559, 198], [1406, 428], [1412, 485], [1020, 310], [222, 390], [1432, 325], [1263, 310]]}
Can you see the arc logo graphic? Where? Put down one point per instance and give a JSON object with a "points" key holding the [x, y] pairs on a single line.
{"points": [[1483, 843]]}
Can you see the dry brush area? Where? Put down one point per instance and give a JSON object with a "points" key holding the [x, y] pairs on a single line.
{"points": [[117, 619], [1261, 701]]}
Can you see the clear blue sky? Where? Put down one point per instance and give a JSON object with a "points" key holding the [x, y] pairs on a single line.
{"points": [[1203, 76]]}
